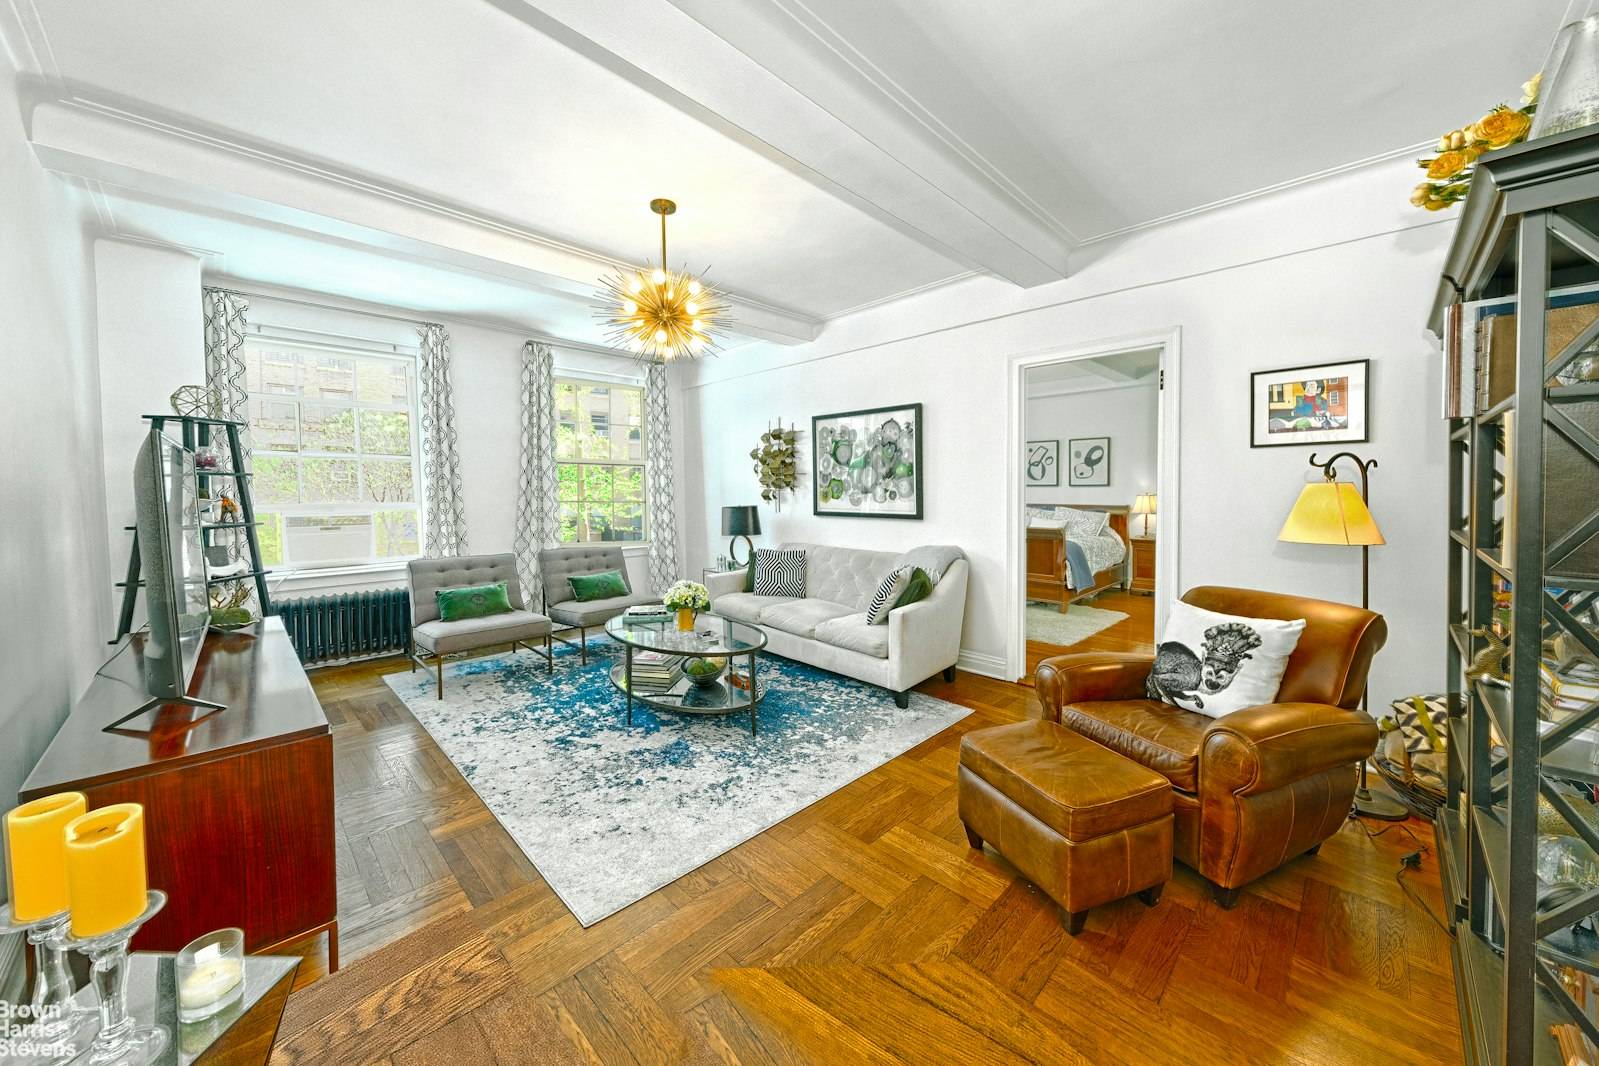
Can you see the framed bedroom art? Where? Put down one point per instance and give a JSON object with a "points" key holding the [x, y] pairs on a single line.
{"points": [[1042, 464], [868, 463], [1088, 462], [1327, 403]]}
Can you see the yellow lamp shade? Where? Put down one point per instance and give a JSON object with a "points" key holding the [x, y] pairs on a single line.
{"points": [[1330, 512], [105, 868], [36, 836], [1144, 503]]}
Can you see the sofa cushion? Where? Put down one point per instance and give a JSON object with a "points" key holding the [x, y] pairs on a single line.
{"points": [[1072, 785], [844, 575], [746, 606], [856, 633], [1164, 738], [593, 612], [801, 617], [446, 638]]}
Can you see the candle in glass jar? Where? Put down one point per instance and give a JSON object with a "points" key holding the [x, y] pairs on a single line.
{"points": [[36, 834], [209, 982], [105, 868]]}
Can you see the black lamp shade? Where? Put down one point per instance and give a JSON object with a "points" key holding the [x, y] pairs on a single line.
{"points": [[741, 522]]}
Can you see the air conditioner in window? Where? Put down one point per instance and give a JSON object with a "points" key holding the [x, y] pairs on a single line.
{"points": [[328, 540]]}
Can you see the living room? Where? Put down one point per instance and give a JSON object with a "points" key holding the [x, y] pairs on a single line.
{"points": [[676, 531]]}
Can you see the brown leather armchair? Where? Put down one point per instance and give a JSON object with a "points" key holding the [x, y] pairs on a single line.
{"points": [[1257, 787]]}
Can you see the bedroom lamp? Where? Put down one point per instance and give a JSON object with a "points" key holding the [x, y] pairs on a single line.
{"points": [[740, 523], [1144, 504], [1335, 512]]}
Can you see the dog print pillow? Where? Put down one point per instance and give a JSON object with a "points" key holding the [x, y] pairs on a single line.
{"points": [[1216, 664]]}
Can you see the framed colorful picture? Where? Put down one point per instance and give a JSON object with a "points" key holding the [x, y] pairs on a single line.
{"points": [[1324, 404], [1088, 461], [1042, 464], [868, 463]]}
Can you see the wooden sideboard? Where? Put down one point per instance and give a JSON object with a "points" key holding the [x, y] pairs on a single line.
{"points": [[238, 803]]}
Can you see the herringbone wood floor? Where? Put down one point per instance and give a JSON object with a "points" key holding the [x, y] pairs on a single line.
{"points": [[862, 929]]}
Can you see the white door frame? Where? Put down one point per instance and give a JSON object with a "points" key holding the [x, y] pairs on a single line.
{"points": [[1169, 341]]}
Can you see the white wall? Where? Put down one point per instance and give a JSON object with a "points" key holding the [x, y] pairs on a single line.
{"points": [[1129, 416], [56, 611], [1335, 270]]}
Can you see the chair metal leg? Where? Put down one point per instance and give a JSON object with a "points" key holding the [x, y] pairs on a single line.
{"points": [[583, 644], [439, 662]]}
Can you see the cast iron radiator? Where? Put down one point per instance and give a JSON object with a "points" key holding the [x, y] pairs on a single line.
{"points": [[350, 625]]}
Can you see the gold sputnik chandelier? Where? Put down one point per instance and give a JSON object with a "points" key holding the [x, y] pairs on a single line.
{"points": [[658, 313]]}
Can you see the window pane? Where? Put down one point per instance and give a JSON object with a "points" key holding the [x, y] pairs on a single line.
{"points": [[327, 429], [627, 444], [381, 381], [635, 406], [569, 528], [568, 482], [330, 377], [328, 480], [567, 445], [270, 535], [388, 480], [630, 483], [566, 402], [277, 480], [599, 520], [622, 409], [596, 445], [397, 534], [385, 433], [280, 372], [274, 425], [627, 521], [597, 484]]}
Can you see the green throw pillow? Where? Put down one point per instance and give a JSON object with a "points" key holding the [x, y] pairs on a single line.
{"points": [[473, 601], [608, 584], [919, 588], [749, 575]]}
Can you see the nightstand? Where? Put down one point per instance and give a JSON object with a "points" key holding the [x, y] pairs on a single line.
{"points": [[1143, 550]]}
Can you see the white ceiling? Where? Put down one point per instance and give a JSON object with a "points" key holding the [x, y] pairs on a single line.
{"points": [[493, 157], [1122, 370]]}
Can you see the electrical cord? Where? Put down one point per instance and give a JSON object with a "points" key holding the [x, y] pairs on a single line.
{"points": [[1409, 862]]}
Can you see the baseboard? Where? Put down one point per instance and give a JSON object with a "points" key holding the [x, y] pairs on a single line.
{"points": [[13, 968], [982, 663]]}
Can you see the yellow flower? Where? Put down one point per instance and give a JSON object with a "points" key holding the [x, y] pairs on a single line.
{"points": [[1529, 88], [1447, 165], [1420, 194], [1501, 127]]}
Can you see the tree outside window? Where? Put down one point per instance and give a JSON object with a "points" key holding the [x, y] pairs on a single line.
{"points": [[599, 450]]}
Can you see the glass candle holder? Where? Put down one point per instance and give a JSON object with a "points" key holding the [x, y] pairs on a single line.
{"points": [[120, 1040], [52, 1014], [209, 973]]}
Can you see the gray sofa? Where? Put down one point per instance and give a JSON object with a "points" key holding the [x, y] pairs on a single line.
{"points": [[441, 639], [828, 629], [556, 565]]}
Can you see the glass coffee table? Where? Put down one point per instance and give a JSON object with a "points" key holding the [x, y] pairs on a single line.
{"points": [[659, 683]]}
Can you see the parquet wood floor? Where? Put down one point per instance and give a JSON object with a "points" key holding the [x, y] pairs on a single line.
{"points": [[862, 929]]}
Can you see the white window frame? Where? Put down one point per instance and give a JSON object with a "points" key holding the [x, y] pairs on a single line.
{"points": [[408, 360], [582, 381]]}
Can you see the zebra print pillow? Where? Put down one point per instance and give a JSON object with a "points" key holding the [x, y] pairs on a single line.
{"points": [[780, 572], [887, 594]]}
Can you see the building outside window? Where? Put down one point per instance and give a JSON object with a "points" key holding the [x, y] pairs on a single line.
{"points": [[336, 446], [599, 455]]}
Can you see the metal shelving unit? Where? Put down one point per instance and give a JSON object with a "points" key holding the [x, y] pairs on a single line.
{"points": [[1530, 225]]}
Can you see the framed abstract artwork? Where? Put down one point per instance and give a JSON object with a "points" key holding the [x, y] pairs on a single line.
{"points": [[868, 463], [1088, 461], [1323, 404], [1042, 464]]}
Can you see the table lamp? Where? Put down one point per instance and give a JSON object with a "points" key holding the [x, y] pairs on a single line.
{"points": [[1144, 504], [1335, 512], [740, 523]]}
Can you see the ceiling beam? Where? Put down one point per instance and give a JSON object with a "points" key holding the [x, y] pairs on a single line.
{"points": [[820, 119]]}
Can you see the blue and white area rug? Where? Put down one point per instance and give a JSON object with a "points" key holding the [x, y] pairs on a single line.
{"points": [[609, 813]]}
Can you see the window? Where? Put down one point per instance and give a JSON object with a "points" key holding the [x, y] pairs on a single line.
{"points": [[335, 444], [599, 452]]}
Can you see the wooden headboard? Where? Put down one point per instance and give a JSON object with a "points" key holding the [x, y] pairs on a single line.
{"points": [[1119, 513]]}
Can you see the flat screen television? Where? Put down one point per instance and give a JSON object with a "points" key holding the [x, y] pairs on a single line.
{"points": [[166, 496]]}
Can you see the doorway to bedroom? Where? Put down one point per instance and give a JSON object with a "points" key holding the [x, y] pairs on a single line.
{"points": [[1090, 503]]}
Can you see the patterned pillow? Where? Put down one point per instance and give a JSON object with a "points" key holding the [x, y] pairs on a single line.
{"points": [[887, 595], [780, 572], [1083, 523], [1220, 663]]}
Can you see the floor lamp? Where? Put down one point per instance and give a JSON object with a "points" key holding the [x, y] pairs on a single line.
{"points": [[1334, 512]]}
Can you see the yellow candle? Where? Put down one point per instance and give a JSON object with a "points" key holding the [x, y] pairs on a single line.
{"points": [[105, 868], [36, 835]]}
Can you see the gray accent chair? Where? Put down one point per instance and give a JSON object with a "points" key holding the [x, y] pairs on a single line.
{"points": [[556, 565], [440, 639]]}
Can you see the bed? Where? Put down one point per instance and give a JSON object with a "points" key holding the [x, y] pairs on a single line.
{"points": [[1099, 530]]}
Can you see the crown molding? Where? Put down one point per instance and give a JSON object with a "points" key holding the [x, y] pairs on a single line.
{"points": [[26, 42], [915, 290]]}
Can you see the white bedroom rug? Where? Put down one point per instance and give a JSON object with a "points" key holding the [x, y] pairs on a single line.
{"points": [[1047, 625], [608, 813]]}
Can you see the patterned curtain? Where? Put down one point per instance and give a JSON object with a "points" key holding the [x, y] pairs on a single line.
{"points": [[537, 514], [445, 512], [224, 358], [658, 494]]}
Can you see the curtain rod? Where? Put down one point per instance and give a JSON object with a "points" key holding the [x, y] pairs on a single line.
{"points": [[525, 334]]}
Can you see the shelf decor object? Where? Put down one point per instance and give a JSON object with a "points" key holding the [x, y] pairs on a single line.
{"points": [[1521, 518], [121, 1040], [36, 848], [659, 313], [1450, 171], [1571, 98], [209, 974], [1335, 512]]}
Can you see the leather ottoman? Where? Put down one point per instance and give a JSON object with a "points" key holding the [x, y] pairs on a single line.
{"points": [[1085, 824]]}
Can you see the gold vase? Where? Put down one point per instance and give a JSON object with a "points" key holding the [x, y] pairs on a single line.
{"points": [[685, 619]]}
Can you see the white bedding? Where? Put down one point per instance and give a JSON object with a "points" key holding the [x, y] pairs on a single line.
{"points": [[1103, 551]]}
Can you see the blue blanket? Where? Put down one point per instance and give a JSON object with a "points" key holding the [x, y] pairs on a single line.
{"points": [[1077, 563]]}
